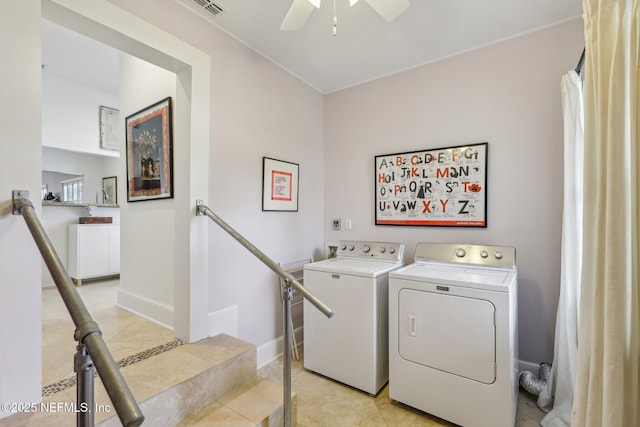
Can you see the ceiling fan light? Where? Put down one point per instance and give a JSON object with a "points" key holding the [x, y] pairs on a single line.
{"points": [[389, 9], [297, 15], [316, 3], [352, 2]]}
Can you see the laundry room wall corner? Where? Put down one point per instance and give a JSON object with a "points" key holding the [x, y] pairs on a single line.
{"points": [[506, 94]]}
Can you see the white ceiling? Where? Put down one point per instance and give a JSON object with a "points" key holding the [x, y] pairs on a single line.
{"points": [[366, 46]]}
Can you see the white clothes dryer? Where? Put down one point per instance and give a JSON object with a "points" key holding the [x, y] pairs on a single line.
{"points": [[351, 347], [453, 334]]}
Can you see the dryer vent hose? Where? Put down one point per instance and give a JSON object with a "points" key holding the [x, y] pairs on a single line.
{"points": [[533, 384]]}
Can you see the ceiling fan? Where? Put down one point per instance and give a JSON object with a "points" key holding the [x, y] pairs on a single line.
{"points": [[300, 10]]}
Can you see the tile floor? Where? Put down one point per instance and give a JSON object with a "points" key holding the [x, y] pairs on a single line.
{"points": [[125, 334], [324, 402], [321, 401]]}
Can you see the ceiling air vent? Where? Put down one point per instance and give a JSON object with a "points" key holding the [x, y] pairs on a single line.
{"points": [[206, 8], [210, 6]]}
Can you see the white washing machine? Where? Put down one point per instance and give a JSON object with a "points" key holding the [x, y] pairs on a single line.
{"points": [[453, 334], [352, 346]]}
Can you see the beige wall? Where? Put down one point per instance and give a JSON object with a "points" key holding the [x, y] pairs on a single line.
{"points": [[147, 276], [20, 165], [507, 94], [257, 110]]}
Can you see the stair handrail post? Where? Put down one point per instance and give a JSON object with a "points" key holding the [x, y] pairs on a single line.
{"points": [[287, 294], [87, 332], [289, 283], [84, 369]]}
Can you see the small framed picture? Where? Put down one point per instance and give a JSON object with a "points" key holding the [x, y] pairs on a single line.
{"points": [[149, 153], [110, 186], [279, 185]]}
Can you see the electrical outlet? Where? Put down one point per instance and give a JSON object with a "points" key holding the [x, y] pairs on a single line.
{"points": [[347, 224], [335, 224]]}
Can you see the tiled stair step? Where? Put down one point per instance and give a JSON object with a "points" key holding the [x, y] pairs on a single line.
{"points": [[176, 384], [169, 386], [256, 403]]}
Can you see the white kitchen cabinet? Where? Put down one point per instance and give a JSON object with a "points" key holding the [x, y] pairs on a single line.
{"points": [[94, 251]]}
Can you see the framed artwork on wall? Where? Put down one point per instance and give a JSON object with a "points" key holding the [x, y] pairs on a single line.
{"points": [[438, 187], [109, 118], [110, 186], [279, 185], [150, 153]]}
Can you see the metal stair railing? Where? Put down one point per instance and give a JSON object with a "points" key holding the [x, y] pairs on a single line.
{"points": [[287, 292], [296, 269], [91, 349]]}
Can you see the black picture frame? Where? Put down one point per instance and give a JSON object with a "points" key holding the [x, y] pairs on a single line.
{"points": [[442, 187], [150, 153]]}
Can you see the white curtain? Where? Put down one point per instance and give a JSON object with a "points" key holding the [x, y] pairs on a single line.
{"points": [[607, 381], [557, 395]]}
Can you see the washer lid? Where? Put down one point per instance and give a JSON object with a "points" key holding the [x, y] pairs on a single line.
{"points": [[485, 278], [353, 266]]}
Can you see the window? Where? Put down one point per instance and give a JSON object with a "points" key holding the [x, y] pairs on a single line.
{"points": [[72, 190]]}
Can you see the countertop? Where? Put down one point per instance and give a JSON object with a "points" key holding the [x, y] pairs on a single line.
{"points": [[77, 205]]}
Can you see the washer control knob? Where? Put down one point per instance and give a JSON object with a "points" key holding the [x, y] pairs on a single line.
{"points": [[392, 250], [498, 255], [484, 254], [343, 246], [366, 248], [351, 247], [382, 249], [460, 253]]}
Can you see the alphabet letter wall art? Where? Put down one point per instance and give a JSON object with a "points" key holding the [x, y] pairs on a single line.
{"points": [[440, 187]]}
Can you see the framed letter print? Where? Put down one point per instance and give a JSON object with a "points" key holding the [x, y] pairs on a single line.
{"points": [[438, 187], [149, 153], [279, 185]]}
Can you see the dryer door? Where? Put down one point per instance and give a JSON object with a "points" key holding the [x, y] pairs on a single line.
{"points": [[450, 333]]}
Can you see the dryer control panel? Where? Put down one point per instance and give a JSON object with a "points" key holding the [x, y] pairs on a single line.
{"points": [[481, 255], [370, 250]]}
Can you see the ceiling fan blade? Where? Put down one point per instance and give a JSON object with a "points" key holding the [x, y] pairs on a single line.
{"points": [[389, 9], [297, 15]]}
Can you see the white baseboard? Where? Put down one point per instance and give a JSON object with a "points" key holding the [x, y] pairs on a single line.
{"points": [[153, 311], [271, 350], [223, 321], [525, 365]]}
